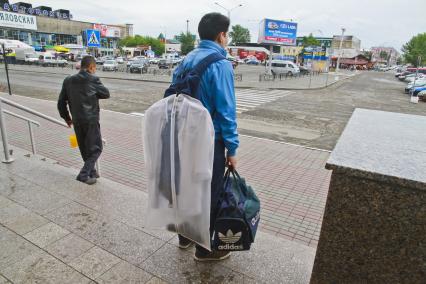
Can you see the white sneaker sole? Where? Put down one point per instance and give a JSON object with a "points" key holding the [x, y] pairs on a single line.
{"points": [[212, 259]]}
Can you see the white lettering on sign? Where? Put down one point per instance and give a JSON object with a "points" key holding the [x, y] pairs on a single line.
{"points": [[20, 21]]}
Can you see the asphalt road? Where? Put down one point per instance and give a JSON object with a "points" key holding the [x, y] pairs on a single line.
{"points": [[313, 118]]}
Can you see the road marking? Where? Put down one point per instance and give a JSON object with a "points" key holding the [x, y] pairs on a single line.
{"points": [[249, 99]]}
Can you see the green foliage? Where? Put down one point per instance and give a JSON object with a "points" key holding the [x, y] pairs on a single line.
{"points": [[310, 41], [187, 41], [383, 55], [239, 34], [156, 45], [414, 48], [368, 55]]}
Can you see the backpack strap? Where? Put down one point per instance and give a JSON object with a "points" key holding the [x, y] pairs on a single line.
{"points": [[206, 61], [187, 81]]}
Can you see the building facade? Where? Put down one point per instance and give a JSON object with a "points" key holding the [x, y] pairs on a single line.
{"points": [[42, 26], [385, 55], [351, 46]]}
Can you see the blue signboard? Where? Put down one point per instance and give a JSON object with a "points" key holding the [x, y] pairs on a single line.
{"points": [[93, 38], [279, 32]]}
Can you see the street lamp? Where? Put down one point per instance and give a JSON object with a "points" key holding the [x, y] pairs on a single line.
{"points": [[340, 50], [228, 10]]}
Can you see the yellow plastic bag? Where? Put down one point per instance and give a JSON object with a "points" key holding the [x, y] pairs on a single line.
{"points": [[73, 141]]}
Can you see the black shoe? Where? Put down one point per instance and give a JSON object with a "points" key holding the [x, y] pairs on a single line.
{"points": [[88, 181], [94, 175], [184, 243], [211, 256]]}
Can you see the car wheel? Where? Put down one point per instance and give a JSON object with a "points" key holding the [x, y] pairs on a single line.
{"points": [[289, 73]]}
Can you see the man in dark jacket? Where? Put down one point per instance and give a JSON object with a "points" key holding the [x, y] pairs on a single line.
{"points": [[81, 92]]}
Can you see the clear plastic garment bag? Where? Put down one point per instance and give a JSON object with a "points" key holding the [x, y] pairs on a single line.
{"points": [[178, 136]]}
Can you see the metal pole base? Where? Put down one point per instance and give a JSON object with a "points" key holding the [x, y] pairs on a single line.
{"points": [[9, 161]]}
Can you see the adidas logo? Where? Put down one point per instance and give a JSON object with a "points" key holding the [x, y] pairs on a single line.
{"points": [[230, 237]]}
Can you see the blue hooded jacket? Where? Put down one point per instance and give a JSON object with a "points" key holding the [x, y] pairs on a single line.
{"points": [[216, 92]]}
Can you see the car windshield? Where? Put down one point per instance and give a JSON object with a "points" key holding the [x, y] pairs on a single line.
{"points": [[109, 62]]}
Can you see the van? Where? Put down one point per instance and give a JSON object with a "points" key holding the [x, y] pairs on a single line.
{"points": [[284, 67]]}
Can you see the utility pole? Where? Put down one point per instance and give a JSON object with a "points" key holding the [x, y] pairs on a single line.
{"points": [[7, 69], [340, 50], [187, 26]]}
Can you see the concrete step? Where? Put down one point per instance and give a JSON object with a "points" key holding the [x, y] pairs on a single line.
{"points": [[54, 225]]}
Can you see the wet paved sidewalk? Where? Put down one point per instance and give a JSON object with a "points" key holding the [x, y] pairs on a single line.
{"points": [[54, 229], [290, 180]]}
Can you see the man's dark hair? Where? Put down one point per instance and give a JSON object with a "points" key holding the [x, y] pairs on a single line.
{"points": [[211, 25], [87, 61]]}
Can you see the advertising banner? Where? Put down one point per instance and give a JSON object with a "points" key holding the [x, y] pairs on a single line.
{"points": [[278, 32], [19, 21], [107, 31]]}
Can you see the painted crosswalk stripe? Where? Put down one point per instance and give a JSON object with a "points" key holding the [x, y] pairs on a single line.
{"points": [[249, 99]]}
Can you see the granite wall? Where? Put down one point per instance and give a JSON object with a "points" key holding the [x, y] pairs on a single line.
{"points": [[372, 232]]}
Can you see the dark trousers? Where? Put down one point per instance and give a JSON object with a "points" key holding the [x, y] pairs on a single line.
{"points": [[217, 184], [90, 143]]}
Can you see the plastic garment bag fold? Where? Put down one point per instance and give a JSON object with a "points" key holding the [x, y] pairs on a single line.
{"points": [[178, 136]]}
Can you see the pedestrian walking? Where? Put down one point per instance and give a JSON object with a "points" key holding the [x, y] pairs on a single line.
{"points": [[217, 94], [80, 95]]}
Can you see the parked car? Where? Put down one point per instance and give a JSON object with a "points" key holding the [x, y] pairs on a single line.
{"points": [[110, 65], [139, 66], [99, 61], [418, 90], [26, 56], [119, 60], [304, 70], [154, 60], [419, 83], [252, 61], [50, 60], [164, 64], [284, 67]]}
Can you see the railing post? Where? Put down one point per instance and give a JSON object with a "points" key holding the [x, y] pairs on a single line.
{"points": [[33, 146], [7, 158]]}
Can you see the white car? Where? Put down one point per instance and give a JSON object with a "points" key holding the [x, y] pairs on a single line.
{"points": [[119, 60], [110, 65], [284, 67], [154, 60]]}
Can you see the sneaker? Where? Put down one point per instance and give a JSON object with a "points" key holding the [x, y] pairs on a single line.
{"points": [[211, 256], [184, 243], [88, 181]]}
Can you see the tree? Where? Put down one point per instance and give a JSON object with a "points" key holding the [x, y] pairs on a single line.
{"points": [[239, 34], [310, 41], [156, 45], [414, 48], [187, 41], [383, 55], [368, 55]]}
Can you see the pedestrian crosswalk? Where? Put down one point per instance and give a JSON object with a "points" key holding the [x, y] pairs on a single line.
{"points": [[248, 99]]}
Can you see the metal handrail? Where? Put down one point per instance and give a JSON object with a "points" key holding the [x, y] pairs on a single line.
{"points": [[36, 113], [30, 127], [31, 111]]}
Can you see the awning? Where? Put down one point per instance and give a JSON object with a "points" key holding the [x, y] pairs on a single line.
{"points": [[59, 48], [353, 62]]}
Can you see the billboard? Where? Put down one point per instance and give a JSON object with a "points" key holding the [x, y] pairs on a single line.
{"points": [[277, 32], [107, 31], [13, 20]]}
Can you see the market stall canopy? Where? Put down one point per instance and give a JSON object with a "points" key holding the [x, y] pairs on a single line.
{"points": [[59, 48]]}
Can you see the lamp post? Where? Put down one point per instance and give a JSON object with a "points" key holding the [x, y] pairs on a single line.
{"points": [[228, 10], [187, 26], [340, 50]]}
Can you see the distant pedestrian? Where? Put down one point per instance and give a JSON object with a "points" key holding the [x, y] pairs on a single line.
{"points": [[81, 93], [217, 94]]}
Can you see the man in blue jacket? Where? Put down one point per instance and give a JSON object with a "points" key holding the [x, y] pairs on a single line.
{"points": [[216, 92]]}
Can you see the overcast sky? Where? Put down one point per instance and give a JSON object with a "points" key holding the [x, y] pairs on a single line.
{"points": [[374, 22]]}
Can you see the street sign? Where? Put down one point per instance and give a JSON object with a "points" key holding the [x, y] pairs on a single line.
{"points": [[93, 38]]}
